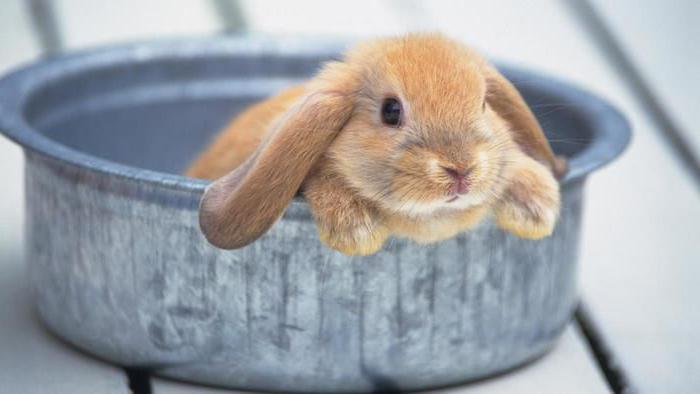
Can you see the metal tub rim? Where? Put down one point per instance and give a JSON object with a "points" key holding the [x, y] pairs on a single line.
{"points": [[610, 129]]}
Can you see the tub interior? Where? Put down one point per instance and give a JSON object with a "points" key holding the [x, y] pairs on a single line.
{"points": [[158, 115]]}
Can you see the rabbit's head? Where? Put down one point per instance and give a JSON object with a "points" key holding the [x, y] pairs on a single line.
{"points": [[426, 132]]}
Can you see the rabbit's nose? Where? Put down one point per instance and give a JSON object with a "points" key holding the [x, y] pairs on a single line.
{"points": [[459, 176]]}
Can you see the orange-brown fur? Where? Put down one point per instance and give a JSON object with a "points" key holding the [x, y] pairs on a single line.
{"points": [[238, 140], [366, 181]]}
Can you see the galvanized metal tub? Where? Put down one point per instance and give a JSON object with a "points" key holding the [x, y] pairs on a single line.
{"points": [[120, 269]]}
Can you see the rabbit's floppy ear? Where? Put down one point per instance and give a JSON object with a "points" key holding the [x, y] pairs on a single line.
{"points": [[505, 99], [239, 207]]}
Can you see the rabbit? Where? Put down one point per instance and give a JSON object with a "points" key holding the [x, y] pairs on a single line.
{"points": [[413, 136]]}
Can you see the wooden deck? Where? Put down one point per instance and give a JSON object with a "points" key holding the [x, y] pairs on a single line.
{"points": [[640, 253]]}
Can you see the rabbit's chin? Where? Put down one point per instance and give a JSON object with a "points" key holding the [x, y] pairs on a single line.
{"points": [[428, 208]]}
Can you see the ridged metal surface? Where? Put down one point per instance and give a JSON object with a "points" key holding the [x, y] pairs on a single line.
{"points": [[120, 269]]}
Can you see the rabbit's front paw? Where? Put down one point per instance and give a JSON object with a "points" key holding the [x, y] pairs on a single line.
{"points": [[352, 237], [345, 222], [530, 206]]}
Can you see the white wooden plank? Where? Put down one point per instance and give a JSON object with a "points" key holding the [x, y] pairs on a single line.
{"points": [[16, 46], [34, 362], [31, 360], [339, 18], [640, 270], [165, 386], [662, 40], [568, 368], [89, 23]]}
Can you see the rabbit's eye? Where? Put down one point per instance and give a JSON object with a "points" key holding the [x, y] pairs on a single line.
{"points": [[391, 112]]}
